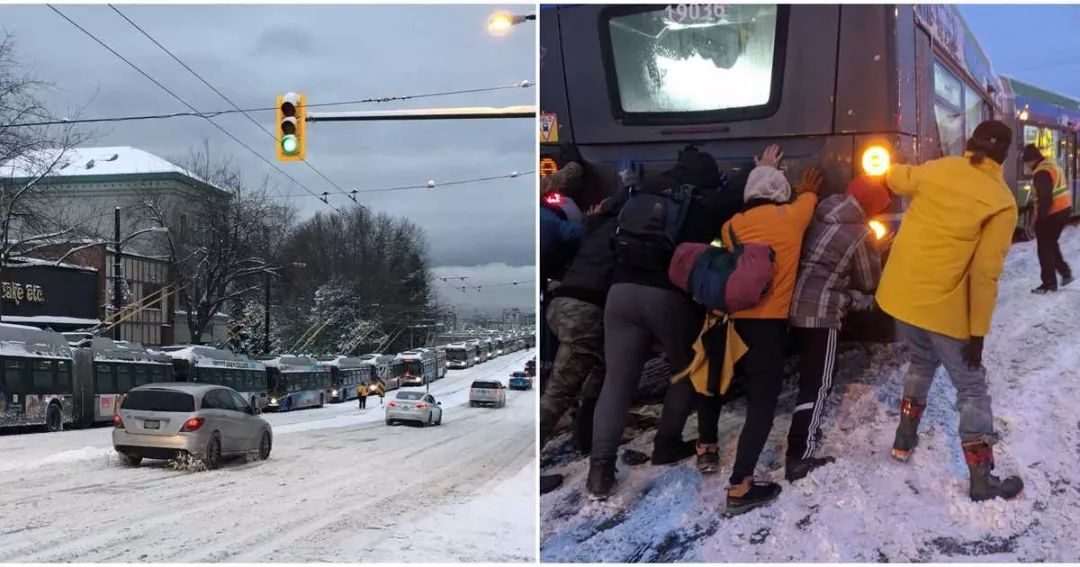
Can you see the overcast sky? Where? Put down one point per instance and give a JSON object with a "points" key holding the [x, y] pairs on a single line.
{"points": [[1037, 44], [331, 53]]}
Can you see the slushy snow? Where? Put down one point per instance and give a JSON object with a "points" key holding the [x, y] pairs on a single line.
{"points": [[867, 507]]}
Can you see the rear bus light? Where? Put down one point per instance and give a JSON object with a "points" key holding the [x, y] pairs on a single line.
{"points": [[876, 161], [192, 424], [548, 166]]}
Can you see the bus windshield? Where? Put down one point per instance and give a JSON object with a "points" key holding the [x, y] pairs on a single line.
{"points": [[414, 367], [697, 58], [459, 354]]}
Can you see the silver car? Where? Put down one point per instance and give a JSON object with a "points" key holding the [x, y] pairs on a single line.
{"points": [[414, 406], [170, 419], [488, 393]]}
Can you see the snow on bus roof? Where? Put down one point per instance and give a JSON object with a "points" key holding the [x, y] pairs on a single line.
{"points": [[106, 349], [21, 340], [210, 356], [342, 361], [288, 360]]}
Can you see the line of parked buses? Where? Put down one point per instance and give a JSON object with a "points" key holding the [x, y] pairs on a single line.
{"points": [[47, 381]]}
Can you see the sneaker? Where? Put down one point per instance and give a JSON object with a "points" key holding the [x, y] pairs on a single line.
{"points": [[708, 459], [795, 469], [750, 495], [1043, 289], [668, 454], [549, 482], [601, 477]]}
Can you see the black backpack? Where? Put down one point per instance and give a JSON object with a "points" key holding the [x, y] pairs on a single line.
{"points": [[649, 226]]}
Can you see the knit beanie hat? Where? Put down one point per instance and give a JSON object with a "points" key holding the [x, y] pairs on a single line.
{"points": [[873, 197], [767, 182]]}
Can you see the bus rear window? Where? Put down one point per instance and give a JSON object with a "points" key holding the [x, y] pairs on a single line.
{"points": [[158, 400], [719, 58]]}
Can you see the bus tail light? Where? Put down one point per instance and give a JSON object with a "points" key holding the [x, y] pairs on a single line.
{"points": [[879, 229], [876, 160], [192, 425], [548, 165]]}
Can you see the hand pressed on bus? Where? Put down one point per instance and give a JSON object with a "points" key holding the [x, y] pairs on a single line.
{"points": [[770, 157], [811, 182]]}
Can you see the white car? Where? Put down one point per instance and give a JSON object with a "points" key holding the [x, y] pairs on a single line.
{"points": [[414, 406]]}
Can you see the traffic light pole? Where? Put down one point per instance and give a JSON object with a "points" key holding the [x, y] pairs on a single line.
{"points": [[464, 113]]}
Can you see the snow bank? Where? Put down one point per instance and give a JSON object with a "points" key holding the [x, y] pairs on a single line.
{"points": [[867, 507]]}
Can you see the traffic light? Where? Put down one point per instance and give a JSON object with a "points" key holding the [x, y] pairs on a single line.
{"points": [[291, 141]]}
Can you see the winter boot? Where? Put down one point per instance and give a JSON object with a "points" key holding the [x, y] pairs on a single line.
{"points": [[601, 477], [907, 433], [549, 482], [747, 495], [669, 453], [1044, 289], [794, 469], [708, 458], [1066, 279], [985, 486]]}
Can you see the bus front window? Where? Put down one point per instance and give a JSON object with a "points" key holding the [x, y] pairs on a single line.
{"points": [[414, 368], [694, 60]]}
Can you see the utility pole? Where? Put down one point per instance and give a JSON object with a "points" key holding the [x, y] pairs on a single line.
{"points": [[118, 298], [266, 315]]}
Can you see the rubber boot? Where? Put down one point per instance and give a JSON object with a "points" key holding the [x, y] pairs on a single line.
{"points": [[907, 433], [601, 479], [985, 486]]}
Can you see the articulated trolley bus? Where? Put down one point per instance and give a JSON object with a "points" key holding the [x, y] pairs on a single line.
{"points": [[388, 369], [461, 355], [420, 368], [46, 382], [297, 382], [208, 365], [348, 373]]}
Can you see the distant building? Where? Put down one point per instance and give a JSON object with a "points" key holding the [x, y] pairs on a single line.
{"points": [[87, 184]]}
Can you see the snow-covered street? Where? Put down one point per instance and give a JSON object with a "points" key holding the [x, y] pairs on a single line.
{"points": [[339, 486], [867, 507]]}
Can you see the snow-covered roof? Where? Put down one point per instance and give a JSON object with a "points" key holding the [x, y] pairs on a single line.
{"points": [[342, 361], [295, 364], [108, 160], [201, 355], [24, 261], [105, 348]]}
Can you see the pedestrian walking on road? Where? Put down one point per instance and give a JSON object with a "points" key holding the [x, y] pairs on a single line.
{"points": [[362, 394], [1053, 207], [943, 301], [839, 270]]}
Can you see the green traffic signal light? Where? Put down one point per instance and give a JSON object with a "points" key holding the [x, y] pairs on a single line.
{"points": [[290, 145]]}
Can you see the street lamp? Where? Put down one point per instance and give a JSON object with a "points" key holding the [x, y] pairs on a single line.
{"points": [[499, 23]]}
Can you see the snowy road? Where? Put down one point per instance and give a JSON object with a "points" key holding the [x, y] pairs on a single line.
{"points": [[867, 507], [339, 486]]}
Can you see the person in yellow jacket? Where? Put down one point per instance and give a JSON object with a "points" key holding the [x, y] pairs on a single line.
{"points": [[1053, 208], [769, 217], [940, 284], [362, 394]]}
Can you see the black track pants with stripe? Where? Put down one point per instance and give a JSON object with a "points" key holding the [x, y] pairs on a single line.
{"points": [[817, 364]]}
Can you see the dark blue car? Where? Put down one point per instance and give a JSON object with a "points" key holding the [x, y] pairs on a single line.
{"points": [[520, 381]]}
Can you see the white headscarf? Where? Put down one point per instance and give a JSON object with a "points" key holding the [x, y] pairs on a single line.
{"points": [[767, 182]]}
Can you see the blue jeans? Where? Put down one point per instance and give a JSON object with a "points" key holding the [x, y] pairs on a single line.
{"points": [[930, 350]]}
